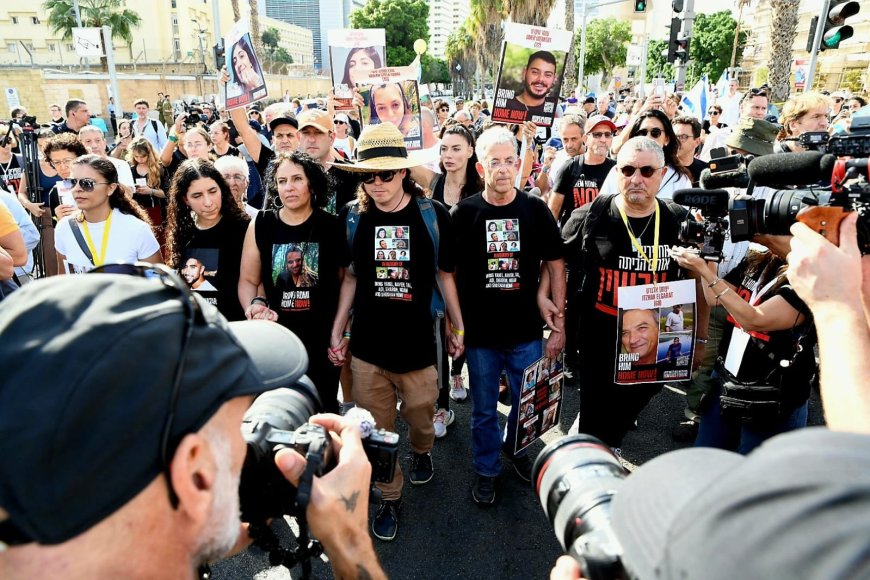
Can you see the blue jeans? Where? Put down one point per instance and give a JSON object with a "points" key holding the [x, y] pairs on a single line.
{"points": [[484, 368], [736, 435]]}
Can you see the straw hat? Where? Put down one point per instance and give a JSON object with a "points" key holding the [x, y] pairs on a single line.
{"points": [[381, 147]]}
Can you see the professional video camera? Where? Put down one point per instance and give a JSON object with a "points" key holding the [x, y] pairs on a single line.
{"points": [[278, 419], [855, 144], [726, 170]]}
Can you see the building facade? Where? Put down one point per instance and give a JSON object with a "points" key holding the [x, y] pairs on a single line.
{"points": [[445, 16]]}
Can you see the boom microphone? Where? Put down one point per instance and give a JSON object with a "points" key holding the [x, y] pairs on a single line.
{"points": [[715, 201], [726, 179], [792, 168]]}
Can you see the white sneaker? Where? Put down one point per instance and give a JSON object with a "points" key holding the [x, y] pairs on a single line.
{"points": [[457, 388], [443, 418]]}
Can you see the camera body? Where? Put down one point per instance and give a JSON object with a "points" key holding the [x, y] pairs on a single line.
{"points": [[710, 232]]}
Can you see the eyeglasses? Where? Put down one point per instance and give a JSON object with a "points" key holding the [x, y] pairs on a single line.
{"points": [[600, 134], [495, 164], [86, 184], [684, 137], [63, 162], [235, 177], [385, 176], [655, 132], [645, 171], [192, 314]]}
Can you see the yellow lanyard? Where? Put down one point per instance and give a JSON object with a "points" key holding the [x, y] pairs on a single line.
{"points": [[102, 258], [655, 261]]}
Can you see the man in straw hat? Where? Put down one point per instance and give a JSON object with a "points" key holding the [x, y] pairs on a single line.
{"points": [[393, 344]]}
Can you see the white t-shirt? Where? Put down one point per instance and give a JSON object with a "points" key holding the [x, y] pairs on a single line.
{"points": [[674, 321], [130, 240], [671, 182], [343, 145]]}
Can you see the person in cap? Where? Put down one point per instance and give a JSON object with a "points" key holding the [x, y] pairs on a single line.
{"points": [[753, 136], [136, 474], [837, 100], [496, 341], [344, 141], [399, 362], [589, 105]]}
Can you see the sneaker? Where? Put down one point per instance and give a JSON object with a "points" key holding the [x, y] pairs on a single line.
{"points": [[421, 468], [523, 467], [386, 522], [457, 388], [685, 432], [483, 491], [443, 418], [504, 391]]}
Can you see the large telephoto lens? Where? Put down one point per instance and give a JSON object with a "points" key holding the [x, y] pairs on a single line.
{"points": [[781, 210], [575, 479]]}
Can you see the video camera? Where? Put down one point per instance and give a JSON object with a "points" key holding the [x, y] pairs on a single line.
{"points": [[855, 144]]}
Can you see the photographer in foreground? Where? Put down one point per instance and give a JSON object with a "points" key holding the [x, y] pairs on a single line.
{"points": [[115, 474], [799, 506]]}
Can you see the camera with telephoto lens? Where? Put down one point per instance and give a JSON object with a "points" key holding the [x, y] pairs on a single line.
{"points": [[278, 419], [709, 233], [193, 119], [575, 479]]}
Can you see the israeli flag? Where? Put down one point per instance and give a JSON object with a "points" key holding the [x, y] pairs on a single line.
{"points": [[695, 101]]}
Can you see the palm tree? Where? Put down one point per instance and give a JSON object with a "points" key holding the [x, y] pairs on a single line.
{"points": [[236, 14], [783, 30], [570, 76], [255, 28], [460, 50], [94, 14], [532, 12], [485, 27]]}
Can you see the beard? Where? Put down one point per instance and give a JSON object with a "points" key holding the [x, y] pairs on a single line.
{"points": [[224, 520]]}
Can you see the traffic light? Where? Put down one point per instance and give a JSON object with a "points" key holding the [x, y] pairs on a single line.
{"points": [[640, 5], [219, 54], [835, 29], [672, 39], [677, 5], [681, 50]]}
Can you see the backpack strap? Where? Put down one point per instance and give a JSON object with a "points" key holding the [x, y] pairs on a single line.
{"points": [[154, 126], [430, 218], [350, 225]]}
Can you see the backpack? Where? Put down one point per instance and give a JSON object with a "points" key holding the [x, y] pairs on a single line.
{"points": [[153, 126]]}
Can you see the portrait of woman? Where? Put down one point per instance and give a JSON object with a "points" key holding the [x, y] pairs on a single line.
{"points": [[246, 75], [389, 103], [360, 59]]}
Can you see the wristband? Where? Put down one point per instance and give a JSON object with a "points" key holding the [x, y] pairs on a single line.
{"points": [[261, 299], [719, 295], [173, 138], [714, 282], [457, 331]]}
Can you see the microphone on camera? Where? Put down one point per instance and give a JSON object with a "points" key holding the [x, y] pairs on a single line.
{"points": [[710, 180], [710, 199], [792, 168]]}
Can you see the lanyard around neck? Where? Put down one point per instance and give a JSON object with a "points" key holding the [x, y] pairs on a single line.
{"points": [[99, 261], [653, 264]]}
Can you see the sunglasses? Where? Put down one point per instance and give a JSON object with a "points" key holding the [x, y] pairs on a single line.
{"points": [[600, 134], [655, 132], [339, 122], [386, 176], [645, 171], [86, 184], [192, 314], [712, 113], [838, 100], [5, 141]]}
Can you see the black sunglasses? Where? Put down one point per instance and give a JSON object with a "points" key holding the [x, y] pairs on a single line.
{"points": [[645, 171], [86, 183], [192, 313], [337, 122], [386, 176], [655, 132]]}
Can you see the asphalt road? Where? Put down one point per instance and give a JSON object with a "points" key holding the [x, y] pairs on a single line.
{"points": [[443, 534]]}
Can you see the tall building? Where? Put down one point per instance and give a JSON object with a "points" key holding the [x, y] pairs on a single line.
{"points": [[445, 16]]}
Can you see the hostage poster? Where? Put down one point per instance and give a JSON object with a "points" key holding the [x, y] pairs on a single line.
{"points": [[655, 333], [247, 82], [353, 51], [392, 95], [540, 400], [530, 75]]}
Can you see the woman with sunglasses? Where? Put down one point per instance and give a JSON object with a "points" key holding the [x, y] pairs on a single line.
{"points": [[152, 181], [655, 125], [205, 231], [107, 228], [714, 114], [290, 270], [344, 141]]}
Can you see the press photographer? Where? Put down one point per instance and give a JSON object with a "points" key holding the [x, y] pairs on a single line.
{"points": [[122, 457], [804, 117]]}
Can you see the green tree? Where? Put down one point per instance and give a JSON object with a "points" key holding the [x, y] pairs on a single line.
{"points": [[657, 64], [94, 14], [434, 70], [270, 39], [606, 46], [403, 21], [712, 43]]}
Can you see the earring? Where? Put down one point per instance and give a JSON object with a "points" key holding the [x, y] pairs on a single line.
{"points": [[275, 201]]}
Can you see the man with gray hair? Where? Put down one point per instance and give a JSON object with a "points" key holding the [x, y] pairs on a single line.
{"points": [[463, 118], [236, 173], [94, 141], [620, 240]]}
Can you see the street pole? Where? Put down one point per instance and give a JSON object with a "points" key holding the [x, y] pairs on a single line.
{"points": [[582, 59], [643, 56], [817, 41], [78, 14], [216, 19], [688, 20], [113, 77]]}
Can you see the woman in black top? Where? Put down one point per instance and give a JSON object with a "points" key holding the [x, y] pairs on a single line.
{"points": [[220, 137], [205, 231], [290, 265], [714, 113], [152, 194]]}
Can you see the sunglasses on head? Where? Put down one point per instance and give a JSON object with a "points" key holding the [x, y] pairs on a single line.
{"points": [[386, 176], [645, 171], [655, 132], [86, 184]]}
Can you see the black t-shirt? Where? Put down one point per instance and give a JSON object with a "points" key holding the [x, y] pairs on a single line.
{"points": [[177, 159], [63, 128], [232, 151], [765, 350], [211, 262], [706, 126], [306, 302], [11, 173], [498, 267], [394, 262], [266, 157], [695, 169], [579, 185], [149, 200], [611, 262]]}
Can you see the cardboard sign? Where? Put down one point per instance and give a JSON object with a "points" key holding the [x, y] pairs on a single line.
{"points": [[353, 50], [247, 83], [540, 400]]}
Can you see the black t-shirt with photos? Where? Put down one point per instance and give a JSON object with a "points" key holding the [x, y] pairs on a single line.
{"points": [[498, 267], [300, 271], [580, 185], [394, 262], [212, 261]]}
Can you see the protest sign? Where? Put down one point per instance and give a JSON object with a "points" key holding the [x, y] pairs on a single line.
{"points": [[391, 95], [247, 83], [353, 50], [540, 400]]}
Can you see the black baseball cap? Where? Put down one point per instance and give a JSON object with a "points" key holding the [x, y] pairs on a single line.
{"points": [[88, 367], [284, 120], [797, 507]]}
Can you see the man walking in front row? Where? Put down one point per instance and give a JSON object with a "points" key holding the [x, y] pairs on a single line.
{"points": [[500, 304], [393, 343]]}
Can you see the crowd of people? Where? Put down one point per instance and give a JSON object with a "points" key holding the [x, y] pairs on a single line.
{"points": [[337, 232]]}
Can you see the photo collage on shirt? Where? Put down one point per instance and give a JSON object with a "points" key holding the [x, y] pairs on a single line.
{"points": [[502, 236], [199, 268], [392, 244]]}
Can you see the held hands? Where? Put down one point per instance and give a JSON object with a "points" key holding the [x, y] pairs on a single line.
{"points": [[455, 342], [337, 351], [551, 314], [259, 311]]}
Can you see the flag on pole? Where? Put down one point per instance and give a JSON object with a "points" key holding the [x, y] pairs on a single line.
{"points": [[722, 84], [695, 101]]}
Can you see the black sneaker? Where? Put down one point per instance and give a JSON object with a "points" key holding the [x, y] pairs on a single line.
{"points": [[421, 468], [483, 491], [386, 522], [523, 467]]}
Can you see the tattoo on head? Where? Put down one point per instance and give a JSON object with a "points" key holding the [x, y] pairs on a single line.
{"points": [[350, 502]]}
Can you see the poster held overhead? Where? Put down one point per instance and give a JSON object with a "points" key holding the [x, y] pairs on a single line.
{"points": [[392, 95], [353, 50], [247, 83]]}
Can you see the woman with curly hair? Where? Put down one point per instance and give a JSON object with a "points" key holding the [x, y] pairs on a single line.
{"points": [[152, 194], [205, 231], [111, 228], [292, 253]]}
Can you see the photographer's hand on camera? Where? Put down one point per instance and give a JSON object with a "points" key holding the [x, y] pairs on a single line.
{"points": [[337, 512]]}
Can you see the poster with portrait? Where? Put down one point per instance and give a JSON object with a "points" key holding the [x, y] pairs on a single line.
{"points": [[199, 268], [295, 273], [540, 400], [247, 82], [357, 50], [530, 74], [391, 94], [655, 332]]}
